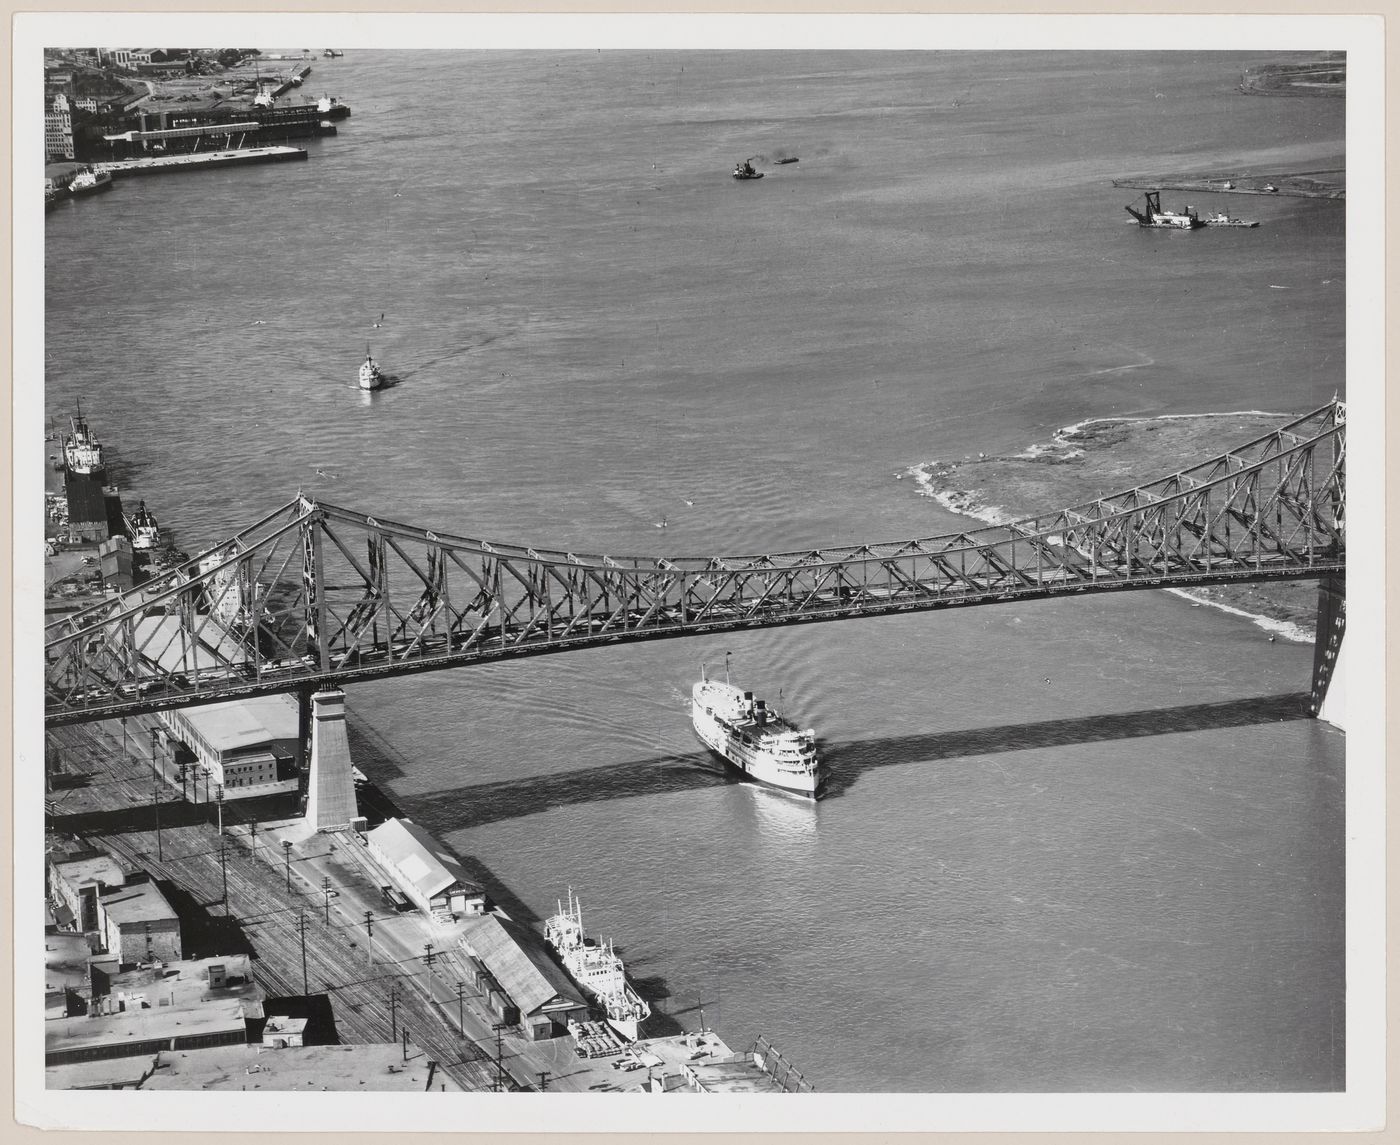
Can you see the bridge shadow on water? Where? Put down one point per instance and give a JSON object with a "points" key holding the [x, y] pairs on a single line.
{"points": [[472, 805]]}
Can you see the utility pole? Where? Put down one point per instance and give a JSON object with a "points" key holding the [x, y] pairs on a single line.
{"points": [[428, 956], [223, 867], [461, 995], [405, 1043], [301, 926], [253, 839], [393, 1004], [155, 793], [500, 1071], [287, 851], [544, 1080], [326, 889], [369, 938]]}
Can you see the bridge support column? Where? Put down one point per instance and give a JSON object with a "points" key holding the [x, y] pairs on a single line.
{"points": [[330, 796], [1328, 700]]}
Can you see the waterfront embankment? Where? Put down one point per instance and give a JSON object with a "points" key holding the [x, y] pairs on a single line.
{"points": [[1102, 456]]}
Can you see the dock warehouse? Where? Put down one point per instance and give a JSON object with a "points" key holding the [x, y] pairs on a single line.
{"points": [[431, 878], [536, 985], [250, 746]]}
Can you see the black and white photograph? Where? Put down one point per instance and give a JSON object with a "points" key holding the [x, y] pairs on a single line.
{"points": [[798, 561]]}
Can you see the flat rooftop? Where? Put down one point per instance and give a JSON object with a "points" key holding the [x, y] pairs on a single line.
{"points": [[141, 902], [99, 868], [363, 1068], [220, 1016], [244, 723]]}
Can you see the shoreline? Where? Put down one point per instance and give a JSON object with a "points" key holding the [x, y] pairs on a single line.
{"points": [[1067, 445]]}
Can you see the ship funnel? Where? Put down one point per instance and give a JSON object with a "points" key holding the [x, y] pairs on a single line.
{"points": [[761, 715]]}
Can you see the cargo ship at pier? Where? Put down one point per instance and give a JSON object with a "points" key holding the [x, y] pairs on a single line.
{"points": [[751, 737], [596, 968], [82, 452]]}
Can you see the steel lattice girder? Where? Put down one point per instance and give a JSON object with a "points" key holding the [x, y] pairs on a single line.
{"points": [[314, 594]]}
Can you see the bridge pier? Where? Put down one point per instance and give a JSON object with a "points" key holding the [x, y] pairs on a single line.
{"points": [[330, 794], [1328, 699]]}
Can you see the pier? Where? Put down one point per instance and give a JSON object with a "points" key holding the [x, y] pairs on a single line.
{"points": [[200, 161]]}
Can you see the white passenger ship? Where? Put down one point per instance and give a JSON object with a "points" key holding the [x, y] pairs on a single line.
{"points": [[755, 739]]}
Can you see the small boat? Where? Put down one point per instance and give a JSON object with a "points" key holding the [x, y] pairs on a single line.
{"points": [[371, 377], [745, 170], [90, 182], [1270, 188], [332, 54], [790, 159], [1220, 219], [1153, 215]]}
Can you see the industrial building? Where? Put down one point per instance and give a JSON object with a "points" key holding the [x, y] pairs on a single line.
{"points": [[137, 924], [521, 980], [373, 1068], [248, 747], [184, 1005], [76, 879], [430, 878]]}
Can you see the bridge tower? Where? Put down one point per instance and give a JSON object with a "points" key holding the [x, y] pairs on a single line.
{"points": [[1328, 700], [330, 795]]}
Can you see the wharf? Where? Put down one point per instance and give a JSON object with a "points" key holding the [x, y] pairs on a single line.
{"points": [[200, 161], [409, 977]]}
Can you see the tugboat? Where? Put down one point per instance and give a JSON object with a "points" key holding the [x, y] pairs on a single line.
{"points": [[82, 452], [1154, 216], [370, 376], [145, 532], [745, 170], [596, 968]]}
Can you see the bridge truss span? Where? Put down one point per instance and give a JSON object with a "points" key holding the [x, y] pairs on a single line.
{"points": [[316, 595]]}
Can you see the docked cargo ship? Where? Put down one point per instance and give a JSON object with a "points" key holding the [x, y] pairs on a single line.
{"points": [[89, 182], [596, 968], [143, 528], [82, 452], [748, 735]]}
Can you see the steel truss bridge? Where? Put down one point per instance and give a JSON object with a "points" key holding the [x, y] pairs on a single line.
{"points": [[316, 596]]}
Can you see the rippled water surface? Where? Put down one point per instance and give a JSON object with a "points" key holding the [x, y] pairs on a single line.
{"points": [[1071, 845]]}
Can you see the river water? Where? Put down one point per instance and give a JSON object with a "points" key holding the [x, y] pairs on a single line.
{"points": [[1071, 845]]}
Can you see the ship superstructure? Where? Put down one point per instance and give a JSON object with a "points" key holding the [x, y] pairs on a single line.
{"points": [[596, 968], [755, 739]]}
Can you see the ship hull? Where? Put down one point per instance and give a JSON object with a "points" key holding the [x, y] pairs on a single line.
{"points": [[813, 794]]}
